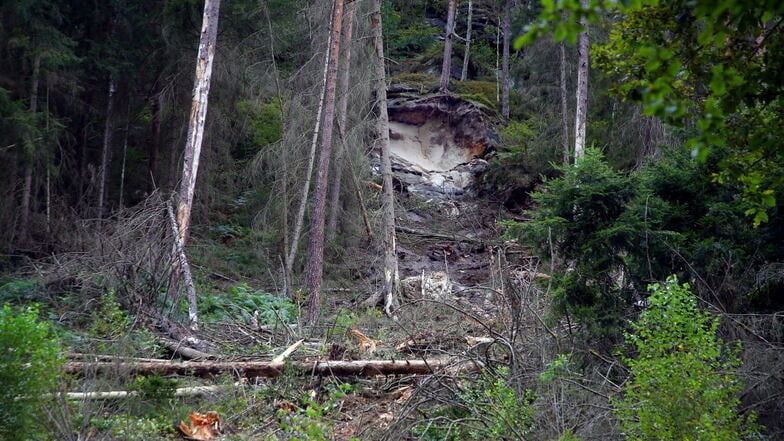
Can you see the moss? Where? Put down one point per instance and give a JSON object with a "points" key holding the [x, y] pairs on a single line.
{"points": [[480, 92]]}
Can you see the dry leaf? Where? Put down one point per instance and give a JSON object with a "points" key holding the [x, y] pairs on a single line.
{"points": [[202, 427], [366, 345]]}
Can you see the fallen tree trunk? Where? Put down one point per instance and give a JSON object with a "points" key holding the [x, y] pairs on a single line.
{"points": [[249, 369]]}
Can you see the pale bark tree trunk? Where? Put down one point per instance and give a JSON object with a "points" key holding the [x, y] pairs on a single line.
{"points": [[582, 89], [446, 66], [564, 105], [106, 151], [391, 275], [288, 264], [505, 60], [198, 115], [193, 142], [467, 55], [27, 183], [315, 267], [345, 76]]}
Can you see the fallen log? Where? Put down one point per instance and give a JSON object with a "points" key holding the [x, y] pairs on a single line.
{"points": [[249, 369]]}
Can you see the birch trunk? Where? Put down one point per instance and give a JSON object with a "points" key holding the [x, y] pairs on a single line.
{"points": [[467, 54], [106, 151], [345, 76], [505, 60], [315, 267], [198, 115], [564, 105], [391, 275], [582, 89], [446, 66]]}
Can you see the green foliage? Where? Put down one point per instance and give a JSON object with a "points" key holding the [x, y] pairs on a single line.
{"points": [[19, 291], [489, 409], [714, 64], [312, 420], [404, 35], [109, 321], [154, 395], [684, 384], [265, 126], [577, 219], [132, 428], [30, 363], [242, 302]]}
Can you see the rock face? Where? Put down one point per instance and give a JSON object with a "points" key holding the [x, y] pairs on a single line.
{"points": [[437, 142]]}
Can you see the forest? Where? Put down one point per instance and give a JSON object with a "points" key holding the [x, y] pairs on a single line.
{"points": [[392, 220]]}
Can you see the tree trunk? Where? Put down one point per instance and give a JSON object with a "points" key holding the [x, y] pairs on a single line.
{"points": [[345, 76], [198, 115], [106, 151], [27, 185], [446, 67], [505, 60], [582, 89], [193, 142], [467, 54], [156, 104], [288, 264], [250, 369], [564, 106], [391, 275], [315, 267]]}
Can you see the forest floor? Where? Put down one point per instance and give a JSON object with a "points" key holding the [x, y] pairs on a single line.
{"points": [[454, 304]]}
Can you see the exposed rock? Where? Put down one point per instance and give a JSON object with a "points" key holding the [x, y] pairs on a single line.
{"points": [[437, 142]]}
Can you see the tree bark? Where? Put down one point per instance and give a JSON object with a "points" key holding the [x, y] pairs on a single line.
{"points": [[288, 264], [505, 60], [106, 151], [249, 369], [315, 267], [198, 115], [27, 182], [391, 275], [581, 113], [446, 66], [190, 287], [564, 106], [156, 104], [467, 54], [345, 76]]}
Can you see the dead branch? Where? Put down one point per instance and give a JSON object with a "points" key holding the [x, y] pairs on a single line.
{"points": [[183, 351]]}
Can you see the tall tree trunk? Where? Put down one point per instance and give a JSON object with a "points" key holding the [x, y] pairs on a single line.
{"points": [[108, 140], [391, 275], [198, 115], [345, 76], [156, 104], [564, 105], [193, 142], [27, 183], [315, 267], [446, 67], [505, 61], [582, 89], [467, 54], [303, 203]]}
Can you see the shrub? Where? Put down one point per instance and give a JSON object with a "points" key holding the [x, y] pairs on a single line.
{"points": [[30, 365], [683, 383]]}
